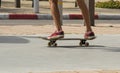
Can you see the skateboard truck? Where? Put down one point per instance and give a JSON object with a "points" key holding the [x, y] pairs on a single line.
{"points": [[52, 43], [83, 42]]}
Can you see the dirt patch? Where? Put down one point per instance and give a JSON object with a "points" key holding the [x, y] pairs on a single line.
{"points": [[47, 29], [84, 71]]}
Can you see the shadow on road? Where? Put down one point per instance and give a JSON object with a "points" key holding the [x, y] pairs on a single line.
{"points": [[79, 47], [92, 47], [112, 49], [13, 39]]}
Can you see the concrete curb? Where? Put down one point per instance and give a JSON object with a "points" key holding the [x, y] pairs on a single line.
{"points": [[65, 16]]}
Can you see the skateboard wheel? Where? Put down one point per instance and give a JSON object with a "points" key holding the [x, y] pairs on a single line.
{"points": [[49, 44], [55, 45], [86, 44], [80, 43]]}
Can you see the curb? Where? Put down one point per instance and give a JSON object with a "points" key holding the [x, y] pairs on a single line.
{"points": [[65, 16]]}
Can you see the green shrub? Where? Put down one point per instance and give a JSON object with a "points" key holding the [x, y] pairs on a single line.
{"points": [[108, 4]]}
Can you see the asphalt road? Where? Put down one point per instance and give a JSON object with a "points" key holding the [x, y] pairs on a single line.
{"points": [[23, 54]]}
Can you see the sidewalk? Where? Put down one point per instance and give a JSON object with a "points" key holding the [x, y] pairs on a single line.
{"points": [[69, 11]]}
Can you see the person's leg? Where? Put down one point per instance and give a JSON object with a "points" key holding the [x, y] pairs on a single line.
{"points": [[86, 17], [55, 13], [56, 17]]}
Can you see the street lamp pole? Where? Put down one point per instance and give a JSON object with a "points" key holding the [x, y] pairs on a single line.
{"points": [[36, 6], [17, 3], [0, 3]]}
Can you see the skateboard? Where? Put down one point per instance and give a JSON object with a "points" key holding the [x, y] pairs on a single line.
{"points": [[53, 43]]}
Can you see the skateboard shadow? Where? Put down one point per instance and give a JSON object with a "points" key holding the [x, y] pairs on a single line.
{"points": [[99, 47], [78, 47], [112, 49], [13, 39]]}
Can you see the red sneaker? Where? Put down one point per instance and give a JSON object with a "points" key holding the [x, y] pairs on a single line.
{"points": [[89, 35], [56, 35]]}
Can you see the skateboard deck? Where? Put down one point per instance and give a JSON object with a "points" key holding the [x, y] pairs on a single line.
{"points": [[52, 42]]}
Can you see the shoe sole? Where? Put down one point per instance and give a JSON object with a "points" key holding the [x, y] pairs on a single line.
{"points": [[57, 37], [91, 38]]}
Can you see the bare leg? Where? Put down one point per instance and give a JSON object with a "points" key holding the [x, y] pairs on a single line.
{"points": [[85, 13], [55, 14]]}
